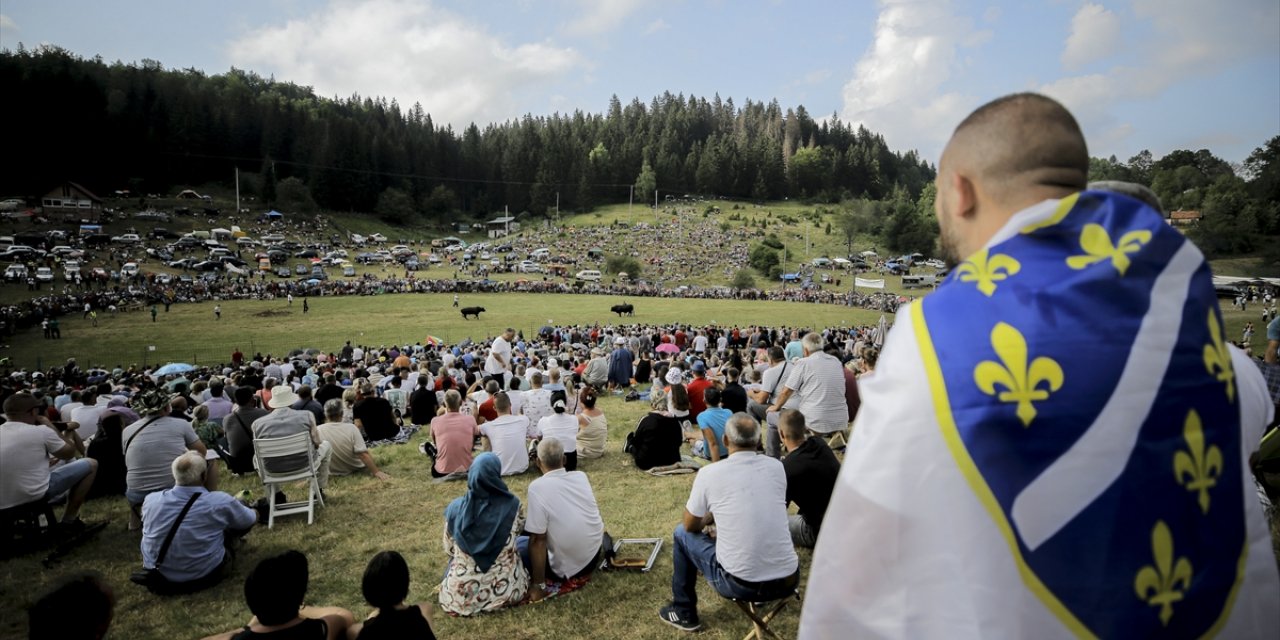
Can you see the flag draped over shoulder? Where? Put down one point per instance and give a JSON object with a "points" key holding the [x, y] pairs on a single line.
{"points": [[1082, 388]]}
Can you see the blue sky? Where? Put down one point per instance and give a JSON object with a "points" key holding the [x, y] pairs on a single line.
{"points": [[1138, 74]]}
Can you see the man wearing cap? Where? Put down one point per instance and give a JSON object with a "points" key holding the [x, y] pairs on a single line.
{"points": [[283, 421], [621, 364], [27, 442], [597, 372], [150, 446], [497, 364]]}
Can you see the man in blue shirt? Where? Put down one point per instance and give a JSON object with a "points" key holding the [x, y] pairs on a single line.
{"points": [[203, 547], [712, 421]]}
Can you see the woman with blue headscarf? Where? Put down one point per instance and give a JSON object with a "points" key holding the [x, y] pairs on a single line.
{"points": [[480, 530]]}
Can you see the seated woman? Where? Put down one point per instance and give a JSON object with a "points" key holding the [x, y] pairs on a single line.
{"points": [[657, 439], [480, 529], [274, 591], [385, 586], [593, 428]]}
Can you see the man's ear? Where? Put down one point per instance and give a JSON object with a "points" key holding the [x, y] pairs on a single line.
{"points": [[964, 196]]}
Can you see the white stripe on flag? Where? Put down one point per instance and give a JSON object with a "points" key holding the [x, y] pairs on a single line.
{"points": [[1098, 458]]}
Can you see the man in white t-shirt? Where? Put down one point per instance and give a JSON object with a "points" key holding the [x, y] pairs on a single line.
{"points": [[562, 426], [506, 437], [87, 416], [27, 441], [499, 360], [748, 555], [700, 343], [564, 525]]}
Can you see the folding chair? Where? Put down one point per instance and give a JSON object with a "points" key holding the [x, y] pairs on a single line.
{"points": [[761, 613], [267, 449]]}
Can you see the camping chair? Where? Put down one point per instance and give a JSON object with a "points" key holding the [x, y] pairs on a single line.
{"points": [[761, 613], [264, 450]]}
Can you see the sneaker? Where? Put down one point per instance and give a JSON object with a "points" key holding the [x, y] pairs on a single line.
{"points": [[669, 615]]}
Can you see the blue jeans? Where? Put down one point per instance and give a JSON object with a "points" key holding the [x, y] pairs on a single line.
{"points": [[64, 478], [695, 553]]}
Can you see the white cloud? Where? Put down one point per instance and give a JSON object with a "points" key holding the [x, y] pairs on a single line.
{"points": [[656, 26], [1189, 38], [898, 87], [601, 16], [408, 50], [1095, 35], [7, 23], [992, 14]]}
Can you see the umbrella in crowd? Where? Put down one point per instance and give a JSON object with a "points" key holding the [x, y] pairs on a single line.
{"points": [[174, 367], [433, 341], [667, 347]]}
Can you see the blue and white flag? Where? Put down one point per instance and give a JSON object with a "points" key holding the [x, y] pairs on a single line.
{"points": [[1054, 444]]}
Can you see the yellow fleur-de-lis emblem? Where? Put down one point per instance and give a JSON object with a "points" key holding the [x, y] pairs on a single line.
{"points": [[1097, 246], [1167, 581], [1022, 382], [987, 270], [1197, 468], [1217, 359]]}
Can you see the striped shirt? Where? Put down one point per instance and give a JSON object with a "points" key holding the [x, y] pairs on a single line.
{"points": [[818, 380]]}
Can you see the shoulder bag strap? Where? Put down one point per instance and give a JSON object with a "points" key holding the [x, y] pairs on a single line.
{"points": [[135, 433], [779, 380], [168, 540], [247, 430]]}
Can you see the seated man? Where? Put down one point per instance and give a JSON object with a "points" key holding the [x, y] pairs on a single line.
{"points": [[454, 436], [203, 546], [274, 591], [811, 470], [27, 442], [657, 439], [152, 443], [507, 437], [711, 422], [349, 453], [818, 380], [283, 421], [748, 555], [238, 428], [564, 525]]}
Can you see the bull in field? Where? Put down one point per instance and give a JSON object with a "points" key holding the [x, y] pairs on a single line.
{"points": [[620, 309], [472, 311]]}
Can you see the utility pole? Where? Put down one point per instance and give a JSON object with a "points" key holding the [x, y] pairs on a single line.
{"points": [[237, 191], [630, 198]]}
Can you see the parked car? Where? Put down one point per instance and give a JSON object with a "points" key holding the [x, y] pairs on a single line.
{"points": [[348, 271], [20, 252], [70, 270], [300, 269], [129, 270], [307, 253], [273, 237], [207, 265], [377, 237], [126, 238], [15, 273], [589, 275], [185, 263], [44, 274], [163, 278], [529, 266], [283, 272]]}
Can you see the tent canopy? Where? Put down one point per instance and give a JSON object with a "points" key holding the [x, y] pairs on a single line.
{"points": [[274, 214]]}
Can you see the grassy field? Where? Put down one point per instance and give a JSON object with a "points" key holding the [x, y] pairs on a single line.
{"points": [[189, 332]]}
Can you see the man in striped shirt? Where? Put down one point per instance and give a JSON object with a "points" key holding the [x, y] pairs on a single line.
{"points": [[817, 380]]}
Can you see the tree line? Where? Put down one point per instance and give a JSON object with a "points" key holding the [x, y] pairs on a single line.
{"points": [[145, 128]]}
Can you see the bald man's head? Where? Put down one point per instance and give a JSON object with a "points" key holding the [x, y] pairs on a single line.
{"points": [[1007, 155]]}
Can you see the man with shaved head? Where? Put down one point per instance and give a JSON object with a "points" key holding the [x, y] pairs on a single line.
{"points": [[1053, 443]]}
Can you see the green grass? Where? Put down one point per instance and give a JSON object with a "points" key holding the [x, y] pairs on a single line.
{"points": [[188, 333]]}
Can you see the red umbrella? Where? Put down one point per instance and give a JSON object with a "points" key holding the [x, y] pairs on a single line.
{"points": [[667, 347]]}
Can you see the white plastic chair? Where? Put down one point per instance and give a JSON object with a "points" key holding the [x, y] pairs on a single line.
{"points": [[266, 449]]}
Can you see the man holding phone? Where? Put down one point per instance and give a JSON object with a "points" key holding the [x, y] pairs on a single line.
{"points": [[27, 441]]}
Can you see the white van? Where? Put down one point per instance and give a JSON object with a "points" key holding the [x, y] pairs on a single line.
{"points": [[912, 282], [542, 253], [246, 242], [590, 275]]}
